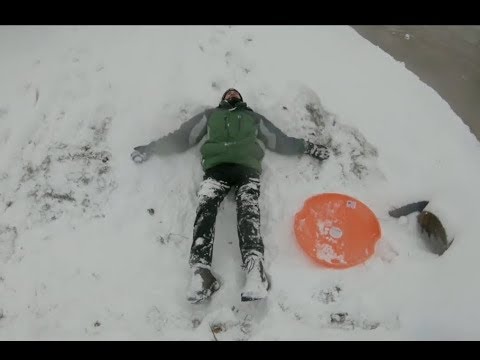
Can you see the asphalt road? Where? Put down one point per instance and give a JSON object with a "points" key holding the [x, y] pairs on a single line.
{"points": [[446, 57]]}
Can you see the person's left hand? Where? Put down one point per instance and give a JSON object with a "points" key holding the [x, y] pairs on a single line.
{"points": [[139, 154]]}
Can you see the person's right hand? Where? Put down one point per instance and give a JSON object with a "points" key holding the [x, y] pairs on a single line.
{"points": [[139, 154], [317, 151]]}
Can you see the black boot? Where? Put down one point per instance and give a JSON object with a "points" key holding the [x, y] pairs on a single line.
{"points": [[257, 282], [203, 284]]}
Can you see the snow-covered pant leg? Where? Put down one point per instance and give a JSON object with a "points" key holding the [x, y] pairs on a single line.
{"points": [[211, 194], [248, 218]]}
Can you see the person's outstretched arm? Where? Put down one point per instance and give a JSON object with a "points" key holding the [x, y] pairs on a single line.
{"points": [[188, 135], [275, 140]]}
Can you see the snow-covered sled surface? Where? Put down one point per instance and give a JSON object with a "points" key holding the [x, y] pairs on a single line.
{"points": [[81, 257]]}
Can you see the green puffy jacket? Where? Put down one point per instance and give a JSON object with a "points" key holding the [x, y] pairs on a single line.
{"points": [[232, 135]]}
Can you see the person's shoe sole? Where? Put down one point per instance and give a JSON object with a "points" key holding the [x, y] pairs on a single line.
{"points": [[197, 300], [248, 297]]}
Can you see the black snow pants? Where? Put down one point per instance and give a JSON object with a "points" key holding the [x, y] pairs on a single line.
{"points": [[216, 184]]}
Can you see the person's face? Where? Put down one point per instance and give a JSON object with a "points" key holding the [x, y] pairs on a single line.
{"points": [[232, 94]]}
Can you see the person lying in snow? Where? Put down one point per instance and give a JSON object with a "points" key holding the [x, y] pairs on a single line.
{"points": [[231, 158]]}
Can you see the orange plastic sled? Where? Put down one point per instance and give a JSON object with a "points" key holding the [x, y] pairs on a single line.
{"points": [[336, 230]]}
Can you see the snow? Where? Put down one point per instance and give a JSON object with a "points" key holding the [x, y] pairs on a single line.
{"points": [[81, 257], [326, 253]]}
